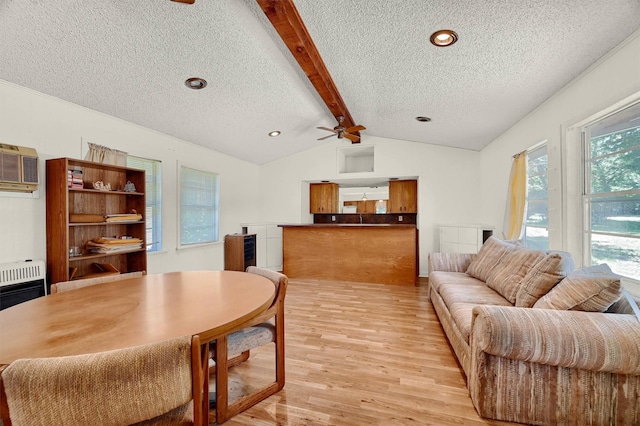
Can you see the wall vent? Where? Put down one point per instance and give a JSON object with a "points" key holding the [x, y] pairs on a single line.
{"points": [[21, 282], [21, 272]]}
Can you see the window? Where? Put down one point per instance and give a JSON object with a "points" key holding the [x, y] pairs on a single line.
{"points": [[153, 197], [198, 207], [536, 234], [611, 199]]}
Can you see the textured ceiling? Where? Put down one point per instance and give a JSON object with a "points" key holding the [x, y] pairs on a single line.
{"points": [[129, 59]]}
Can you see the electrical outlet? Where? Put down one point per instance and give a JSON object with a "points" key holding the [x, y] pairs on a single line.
{"points": [[333, 218], [399, 218]]}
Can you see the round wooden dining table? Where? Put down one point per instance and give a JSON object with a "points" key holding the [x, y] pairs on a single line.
{"points": [[137, 311], [132, 312]]}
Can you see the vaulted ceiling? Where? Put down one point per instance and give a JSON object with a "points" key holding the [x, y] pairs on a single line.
{"points": [[129, 59]]}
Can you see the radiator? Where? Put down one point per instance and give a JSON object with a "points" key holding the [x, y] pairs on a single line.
{"points": [[21, 281]]}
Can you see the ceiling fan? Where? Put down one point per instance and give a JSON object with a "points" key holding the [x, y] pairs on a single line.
{"points": [[343, 132]]}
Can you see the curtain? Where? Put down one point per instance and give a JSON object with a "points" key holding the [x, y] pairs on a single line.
{"points": [[102, 154], [516, 198]]}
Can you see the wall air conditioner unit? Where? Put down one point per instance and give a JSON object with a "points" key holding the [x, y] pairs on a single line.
{"points": [[18, 168]]}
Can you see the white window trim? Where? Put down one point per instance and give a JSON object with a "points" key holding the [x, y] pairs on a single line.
{"points": [[179, 245], [160, 205], [524, 224], [572, 183], [572, 176]]}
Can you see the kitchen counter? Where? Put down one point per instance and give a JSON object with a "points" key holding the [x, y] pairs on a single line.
{"points": [[371, 253]]}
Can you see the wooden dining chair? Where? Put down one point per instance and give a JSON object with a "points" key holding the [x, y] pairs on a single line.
{"points": [[267, 328], [79, 283], [153, 384]]}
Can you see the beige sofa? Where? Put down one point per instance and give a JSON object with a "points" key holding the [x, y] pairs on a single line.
{"points": [[539, 342]]}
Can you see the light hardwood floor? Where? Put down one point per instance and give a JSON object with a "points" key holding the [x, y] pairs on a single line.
{"points": [[360, 354]]}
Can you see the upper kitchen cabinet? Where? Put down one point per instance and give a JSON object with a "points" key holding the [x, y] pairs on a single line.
{"points": [[368, 206], [323, 197], [403, 196]]}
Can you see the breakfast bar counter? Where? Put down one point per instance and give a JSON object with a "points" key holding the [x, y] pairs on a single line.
{"points": [[372, 253]]}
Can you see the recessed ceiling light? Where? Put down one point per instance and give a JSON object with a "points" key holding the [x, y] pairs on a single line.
{"points": [[195, 83], [423, 119], [443, 38], [274, 133]]}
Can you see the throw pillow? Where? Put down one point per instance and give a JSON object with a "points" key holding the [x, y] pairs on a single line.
{"points": [[506, 277], [622, 306], [543, 277], [591, 289], [488, 257]]}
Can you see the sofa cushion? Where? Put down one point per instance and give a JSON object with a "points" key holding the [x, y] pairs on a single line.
{"points": [[506, 277], [591, 289], [488, 257], [438, 279], [475, 294], [543, 277]]}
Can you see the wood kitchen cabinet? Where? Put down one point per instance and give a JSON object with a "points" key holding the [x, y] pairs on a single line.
{"points": [[367, 206], [403, 196], [323, 198]]}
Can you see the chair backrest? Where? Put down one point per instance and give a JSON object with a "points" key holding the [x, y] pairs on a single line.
{"points": [[279, 280], [74, 284], [117, 387]]}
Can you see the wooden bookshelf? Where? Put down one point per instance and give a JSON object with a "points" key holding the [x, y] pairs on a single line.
{"points": [[65, 202]]}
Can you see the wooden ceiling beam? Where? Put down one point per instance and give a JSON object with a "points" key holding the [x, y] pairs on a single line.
{"points": [[287, 21]]}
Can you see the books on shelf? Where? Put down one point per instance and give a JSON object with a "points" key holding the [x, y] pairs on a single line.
{"points": [[113, 244], [74, 178], [126, 217]]}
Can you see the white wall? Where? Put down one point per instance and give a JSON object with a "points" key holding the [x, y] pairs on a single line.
{"points": [[612, 79], [448, 184], [56, 128]]}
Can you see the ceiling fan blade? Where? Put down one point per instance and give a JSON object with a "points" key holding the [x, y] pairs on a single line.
{"points": [[185, 1], [355, 129], [326, 137], [326, 128], [351, 137]]}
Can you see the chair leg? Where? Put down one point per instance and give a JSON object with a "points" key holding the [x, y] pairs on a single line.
{"points": [[280, 357], [199, 381], [247, 401], [224, 410], [222, 380]]}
